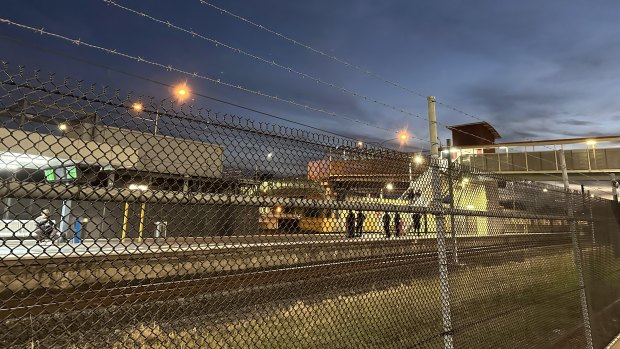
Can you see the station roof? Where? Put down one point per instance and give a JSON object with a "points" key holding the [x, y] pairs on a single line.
{"points": [[482, 124]]}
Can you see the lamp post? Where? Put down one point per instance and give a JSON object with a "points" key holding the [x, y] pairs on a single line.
{"points": [[181, 92], [403, 136]]}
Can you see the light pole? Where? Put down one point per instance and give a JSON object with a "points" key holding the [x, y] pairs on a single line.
{"points": [[403, 136], [181, 92]]}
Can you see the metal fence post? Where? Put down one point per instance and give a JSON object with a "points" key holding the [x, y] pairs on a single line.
{"points": [[444, 284], [585, 309], [455, 249]]}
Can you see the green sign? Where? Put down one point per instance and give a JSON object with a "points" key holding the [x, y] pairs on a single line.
{"points": [[61, 174], [50, 174], [72, 173]]}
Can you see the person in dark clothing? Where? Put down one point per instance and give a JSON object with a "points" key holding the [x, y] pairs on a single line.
{"points": [[350, 224], [417, 218], [45, 227], [386, 224], [359, 223], [397, 224]]}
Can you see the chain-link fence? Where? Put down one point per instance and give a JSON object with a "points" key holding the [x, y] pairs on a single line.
{"points": [[134, 223]]}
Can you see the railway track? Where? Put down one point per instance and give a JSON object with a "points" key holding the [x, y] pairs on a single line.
{"points": [[134, 294]]}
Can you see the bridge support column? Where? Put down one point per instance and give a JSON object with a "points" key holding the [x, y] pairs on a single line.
{"points": [[583, 297]]}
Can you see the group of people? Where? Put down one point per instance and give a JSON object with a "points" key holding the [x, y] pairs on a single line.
{"points": [[355, 224]]}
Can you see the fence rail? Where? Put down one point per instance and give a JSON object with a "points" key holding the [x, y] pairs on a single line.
{"points": [[134, 223]]}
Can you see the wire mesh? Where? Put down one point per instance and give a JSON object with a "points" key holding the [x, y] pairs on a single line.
{"points": [[129, 222]]}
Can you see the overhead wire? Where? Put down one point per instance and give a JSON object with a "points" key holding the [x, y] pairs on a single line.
{"points": [[151, 80], [274, 63], [196, 75], [42, 31], [344, 62], [194, 34]]}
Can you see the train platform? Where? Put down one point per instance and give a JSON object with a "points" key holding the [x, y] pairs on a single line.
{"points": [[20, 249]]}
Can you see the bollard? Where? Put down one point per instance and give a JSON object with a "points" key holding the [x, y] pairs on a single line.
{"points": [[77, 231]]}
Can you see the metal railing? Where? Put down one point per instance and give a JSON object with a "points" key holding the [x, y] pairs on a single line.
{"points": [[220, 232]]}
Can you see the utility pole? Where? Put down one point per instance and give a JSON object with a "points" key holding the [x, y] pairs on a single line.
{"points": [[585, 308], [437, 206], [432, 126]]}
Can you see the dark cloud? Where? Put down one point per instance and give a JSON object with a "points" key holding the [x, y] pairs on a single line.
{"points": [[574, 122]]}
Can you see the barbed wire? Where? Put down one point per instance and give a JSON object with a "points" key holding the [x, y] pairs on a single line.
{"points": [[346, 63], [290, 69], [141, 59], [194, 34], [42, 31], [151, 80], [308, 47]]}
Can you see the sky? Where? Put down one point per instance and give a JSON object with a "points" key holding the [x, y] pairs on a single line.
{"points": [[533, 69]]}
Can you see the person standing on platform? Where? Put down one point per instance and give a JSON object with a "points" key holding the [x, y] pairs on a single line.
{"points": [[350, 224], [386, 224], [397, 224], [417, 226], [359, 226]]}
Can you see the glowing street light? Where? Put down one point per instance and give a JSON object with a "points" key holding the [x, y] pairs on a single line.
{"points": [[545, 190], [418, 159], [182, 92], [137, 107], [360, 144], [389, 186], [402, 136], [63, 127]]}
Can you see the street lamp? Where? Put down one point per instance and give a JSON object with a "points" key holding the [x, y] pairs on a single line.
{"points": [[137, 107], [403, 136], [63, 127], [181, 92]]}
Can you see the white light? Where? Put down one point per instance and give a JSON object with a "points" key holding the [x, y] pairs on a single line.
{"points": [[470, 207], [591, 142], [389, 186], [84, 220], [22, 160], [545, 190], [138, 187], [8, 167], [62, 127], [269, 156], [418, 159]]}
